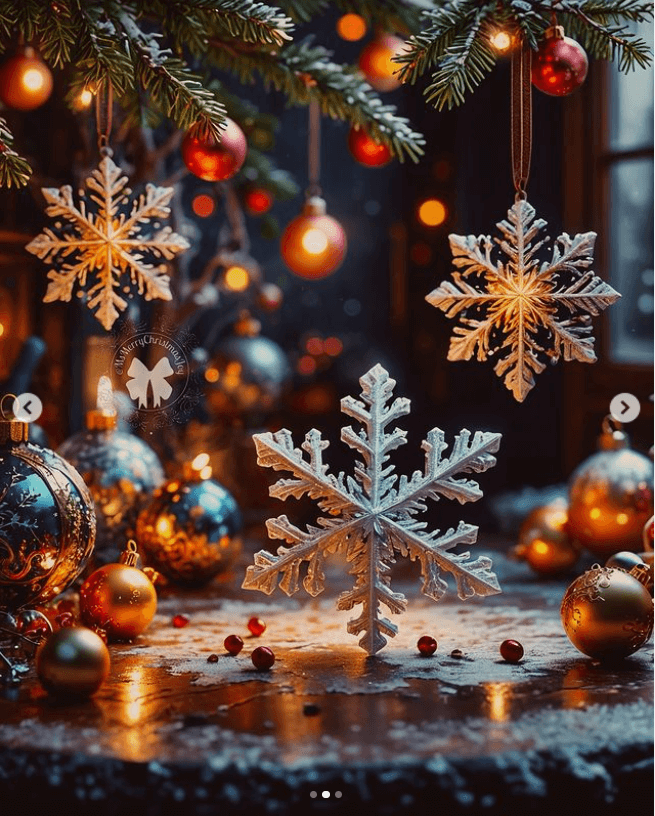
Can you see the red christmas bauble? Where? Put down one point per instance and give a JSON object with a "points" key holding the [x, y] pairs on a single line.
{"points": [[215, 160], [313, 244], [25, 81], [560, 65], [377, 65], [366, 150], [258, 201]]}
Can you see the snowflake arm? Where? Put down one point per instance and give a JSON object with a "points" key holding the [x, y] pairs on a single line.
{"points": [[372, 513], [524, 311]]}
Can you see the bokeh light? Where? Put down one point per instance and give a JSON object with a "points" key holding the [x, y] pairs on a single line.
{"points": [[33, 80], [236, 278], [314, 241], [332, 346], [351, 27], [203, 205], [306, 365], [432, 212]]}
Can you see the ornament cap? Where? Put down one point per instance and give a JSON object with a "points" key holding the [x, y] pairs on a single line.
{"points": [[643, 573], [613, 437], [555, 32], [130, 556], [314, 205], [12, 429], [101, 420]]}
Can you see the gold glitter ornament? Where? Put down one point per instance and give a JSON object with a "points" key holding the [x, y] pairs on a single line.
{"points": [[119, 598], [72, 662], [611, 495], [47, 521], [189, 530], [608, 613], [544, 542]]}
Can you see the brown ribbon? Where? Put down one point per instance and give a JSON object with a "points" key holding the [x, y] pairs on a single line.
{"points": [[104, 110], [314, 150], [521, 119]]}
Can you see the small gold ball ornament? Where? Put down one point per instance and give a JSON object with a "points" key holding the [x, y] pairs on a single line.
{"points": [[119, 598], [73, 661], [544, 542], [611, 496], [608, 613]]}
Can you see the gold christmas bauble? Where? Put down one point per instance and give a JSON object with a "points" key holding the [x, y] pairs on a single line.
{"points": [[611, 497], [72, 661], [608, 613], [120, 599], [25, 81], [544, 541]]}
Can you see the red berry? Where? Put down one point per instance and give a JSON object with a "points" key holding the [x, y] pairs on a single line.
{"points": [[511, 651], [256, 626], [233, 644], [213, 658], [427, 645], [180, 621], [262, 658]]}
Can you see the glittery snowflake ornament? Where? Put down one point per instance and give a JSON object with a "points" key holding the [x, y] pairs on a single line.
{"points": [[105, 238], [523, 310], [371, 515]]}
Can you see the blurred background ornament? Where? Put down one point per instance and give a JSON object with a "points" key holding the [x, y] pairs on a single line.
{"points": [[608, 613], [246, 378], [560, 65], [190, 529], [120, 470], [25, 81], [366, 150], [611, 495], [376, 61], [314, 244], [215, 159], [47, 521], [544, 542], [73, 662], [119, 598]]}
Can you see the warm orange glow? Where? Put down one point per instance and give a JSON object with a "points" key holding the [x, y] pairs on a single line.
{"points": [[498, 698], [206, 472], [2, 329], [500, 40], [258, 201], [201, 461], [237, 278], [212, 375], [164, 526], [203, 205], [351, 27], [314, 241], [333, 346], [366, 150], [33, 79], [432, 212], [314, 345], [622, 518], [594, 513], [540, 547], [377, 64], [306, 365]]}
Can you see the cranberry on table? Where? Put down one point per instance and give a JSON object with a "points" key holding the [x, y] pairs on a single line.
{"points": [[262, 658], [427, 645], [511, 651], [180, 621], [233, 644], [256, 627], [213, 658]]}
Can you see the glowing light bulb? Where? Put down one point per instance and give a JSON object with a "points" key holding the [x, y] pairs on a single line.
{"points": [[432, 212], [500, 40], [85, 98], [201, 461], [237, 278], [314, 241], [33, 80]]}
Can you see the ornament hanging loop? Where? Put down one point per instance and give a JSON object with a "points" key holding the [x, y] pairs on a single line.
{"points": [[521, 119], [314, 151], [104, 111], [4, 415]]}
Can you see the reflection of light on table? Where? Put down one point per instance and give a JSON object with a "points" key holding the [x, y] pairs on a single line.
{"points": [[130, 741], [498, 698]]}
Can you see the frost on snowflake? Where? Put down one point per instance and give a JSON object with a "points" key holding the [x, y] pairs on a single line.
{"points": [[104, 239], [523, 310], [371, 515]]}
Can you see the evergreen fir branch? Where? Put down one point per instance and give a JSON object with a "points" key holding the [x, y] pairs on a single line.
{"points": [[179, 93], [304, 73], [260, 171], [14, 169], [102, 55]]}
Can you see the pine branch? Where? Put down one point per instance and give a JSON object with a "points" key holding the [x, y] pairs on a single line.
{"points": [[305, 73], [14, 169], [259, 170]]}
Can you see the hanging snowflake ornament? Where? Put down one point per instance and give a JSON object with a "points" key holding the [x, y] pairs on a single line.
{"points": [[371, 515], [522, 309], [105, 238]]}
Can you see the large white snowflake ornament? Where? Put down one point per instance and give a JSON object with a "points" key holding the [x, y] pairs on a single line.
{"points": [[371, 515], [521, 309], [104, 239]]}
